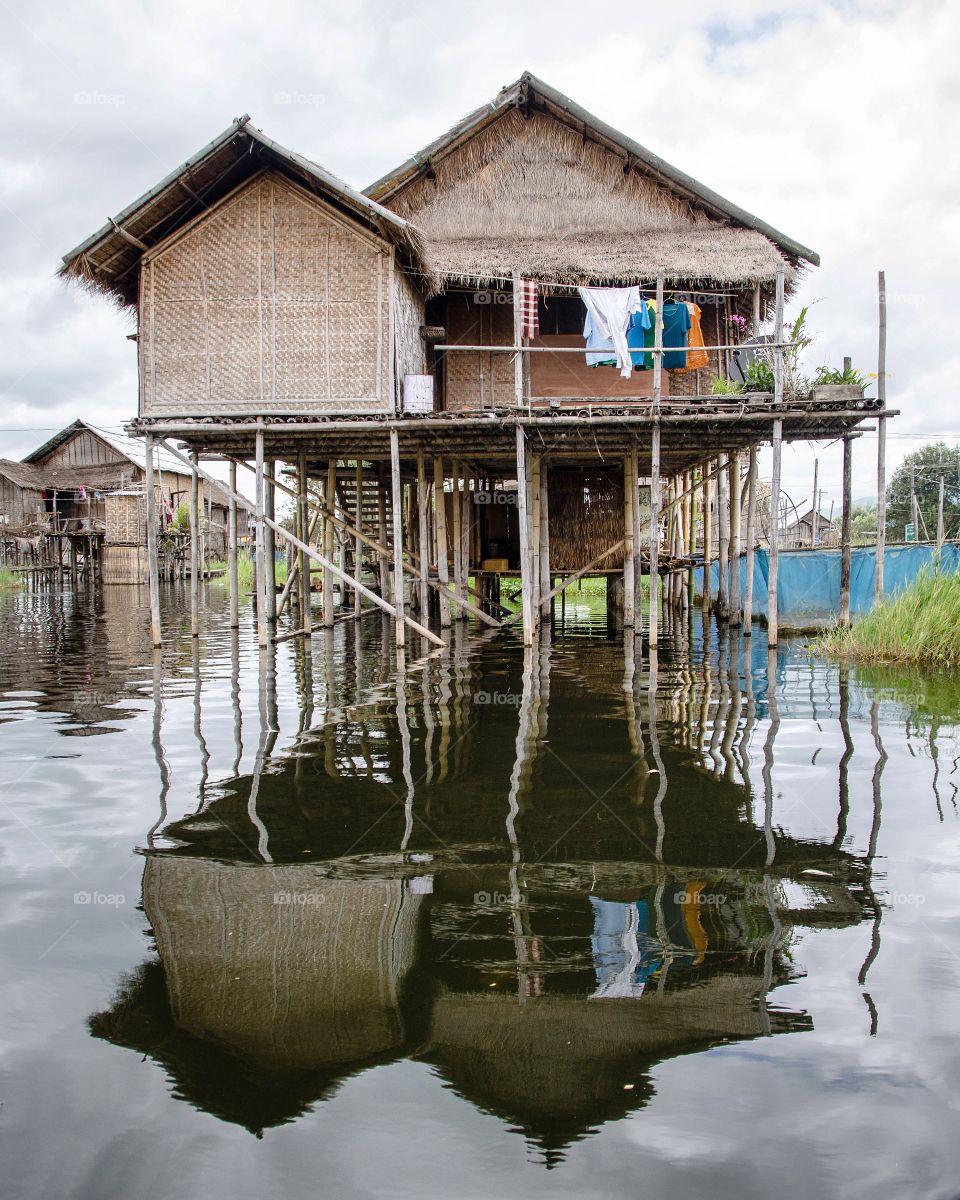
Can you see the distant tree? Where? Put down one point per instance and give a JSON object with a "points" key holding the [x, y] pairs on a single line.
{"points": [[863, 523], [925, 467]]}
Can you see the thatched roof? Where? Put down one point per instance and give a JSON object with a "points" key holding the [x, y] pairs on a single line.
{"points": [[108, 259], [533, 182], [23, 475]]}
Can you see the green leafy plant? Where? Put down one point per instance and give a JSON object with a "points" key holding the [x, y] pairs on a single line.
{"points": [[829, 375], [759, 375], [725, 387]]}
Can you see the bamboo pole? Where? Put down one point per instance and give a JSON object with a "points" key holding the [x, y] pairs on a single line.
{"points": [[383, 564], [328, 546], [457, 529], [562, 586], [845, 533], [423, 500], [194, 547], [261, 552], [723, 515], [635, 509], [815, 508], [396, 500], [535, 515], [440, 528], [736, 500], [940, 523], [629, 566], [153, 561], [691, 534], [881, 440], [777, 438], [466, 517], [526, 583], [270, 540], [658, 348], [654, 553], [751, 543], [232, 549]]}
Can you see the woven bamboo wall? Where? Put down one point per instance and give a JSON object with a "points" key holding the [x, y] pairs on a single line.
{"points": [[477, 381], [126, 519], [123, 564], [270, 303], [407, 321], [586, 516]]}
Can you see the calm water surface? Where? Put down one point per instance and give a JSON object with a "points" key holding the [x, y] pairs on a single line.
{"points": [[496, 926]]}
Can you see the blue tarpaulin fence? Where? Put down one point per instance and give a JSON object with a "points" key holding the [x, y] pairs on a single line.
{"points": [[808, 581]]}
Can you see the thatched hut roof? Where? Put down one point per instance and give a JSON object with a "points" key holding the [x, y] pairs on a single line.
{"points": [[108, 259], [532, 182]]}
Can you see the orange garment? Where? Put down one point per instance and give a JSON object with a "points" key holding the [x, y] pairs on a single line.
{"points": [[695, 358]]}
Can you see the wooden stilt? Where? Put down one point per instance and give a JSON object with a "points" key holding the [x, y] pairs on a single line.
{"points": [[233, 539], [881, 441], [706, 599], [736, 500], [846, 532], [629, 572], [396, 500], [535, 516], [751, 543], [777, 438], [383, 562], [259, 574], [440, 526], [423, 501], [357, 543], [723, 514], [153, 562], [526, 572], [691, 532], [194, 547], [654, 555], [330, 495], [457, 532], [303, 505], [466, 540], [270, 539], [546, 580]]}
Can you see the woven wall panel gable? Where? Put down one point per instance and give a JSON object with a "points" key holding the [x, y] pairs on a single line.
{"points": [[269, 304]]}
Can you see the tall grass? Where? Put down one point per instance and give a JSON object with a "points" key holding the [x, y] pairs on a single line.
{"points": [[9, 580], [920, 625], [245, 573]]}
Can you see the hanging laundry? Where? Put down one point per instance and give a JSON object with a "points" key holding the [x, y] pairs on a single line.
{"points": [[676, 326], [600, 352], [695, 358], [608, 315], [529, 308], [640, 335]]}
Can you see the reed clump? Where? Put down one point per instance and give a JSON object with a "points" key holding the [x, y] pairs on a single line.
{"points": [[919, 625]]}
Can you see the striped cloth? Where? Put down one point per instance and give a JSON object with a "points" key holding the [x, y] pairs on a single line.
{"points": [[529, 316]]}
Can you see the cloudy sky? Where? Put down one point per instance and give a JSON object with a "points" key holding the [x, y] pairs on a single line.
{"points": [[830, 120]]}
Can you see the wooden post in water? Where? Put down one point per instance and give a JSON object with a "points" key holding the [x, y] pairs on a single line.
{"points": [[263, 636], [383, 562], [194, 547], [440, 525], [396, 504], [270, 539], [655, 515], [153, 562], [303, 562], [629, 574], [533, 461], [736, 500], [881, 441], [330, 500], [723, 514], [357, 542], [457, 534], [751, 543], [546, 579], [466, 517], [707, 533], [777, 439], [690, 483], [526, 566], [423, 501], [233, 572], [846, 530]]}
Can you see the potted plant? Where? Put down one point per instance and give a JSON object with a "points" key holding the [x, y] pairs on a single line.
{"points": [[831, 386]]}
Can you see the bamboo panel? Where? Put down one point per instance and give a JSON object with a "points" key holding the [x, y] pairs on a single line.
{"points": [[586, 516]]}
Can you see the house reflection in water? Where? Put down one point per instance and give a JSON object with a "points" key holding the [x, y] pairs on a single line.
{"points": [[541, 953]]}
